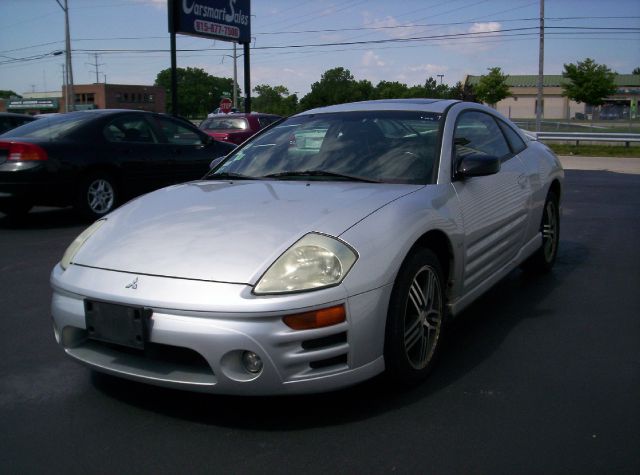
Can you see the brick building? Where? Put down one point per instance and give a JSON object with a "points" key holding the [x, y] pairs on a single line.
{"points": [[117, 96]]}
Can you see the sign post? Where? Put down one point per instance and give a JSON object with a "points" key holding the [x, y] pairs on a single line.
{"points": [[226, 20], [225, 105]]}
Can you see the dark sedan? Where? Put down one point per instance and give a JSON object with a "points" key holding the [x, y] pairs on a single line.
{"points": [[9, 120], [95, 160]]}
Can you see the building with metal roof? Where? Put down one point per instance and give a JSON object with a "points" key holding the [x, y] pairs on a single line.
{"points": [[524, 88]]}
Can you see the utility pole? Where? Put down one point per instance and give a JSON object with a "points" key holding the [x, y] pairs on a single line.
{"points": [[540, 69], [70, 101], [96, 66], [64, 87], [440, 76]]}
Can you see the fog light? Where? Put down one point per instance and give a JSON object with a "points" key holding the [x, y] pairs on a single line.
{"points": [[251, 362]]}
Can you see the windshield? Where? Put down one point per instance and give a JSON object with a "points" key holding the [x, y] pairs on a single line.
{"points": [[224, 123], [49, 127], [380, 146]]}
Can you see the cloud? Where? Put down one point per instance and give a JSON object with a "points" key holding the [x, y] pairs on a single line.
{"points": [[484, 27], [430, 69], [477, 41], [391, 27], [159, 4], [371, 59]]}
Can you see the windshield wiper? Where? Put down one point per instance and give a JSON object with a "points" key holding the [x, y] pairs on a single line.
{"points": [[320, 173], [227, 175]]}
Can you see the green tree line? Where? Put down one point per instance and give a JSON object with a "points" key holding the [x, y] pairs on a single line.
{"points": [[199, 92]]}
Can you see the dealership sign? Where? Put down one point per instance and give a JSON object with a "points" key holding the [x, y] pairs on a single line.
{"points": [[33, 104], [228, 20]]}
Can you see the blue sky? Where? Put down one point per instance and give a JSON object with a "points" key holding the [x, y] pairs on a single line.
{"points": [[35, 28]]}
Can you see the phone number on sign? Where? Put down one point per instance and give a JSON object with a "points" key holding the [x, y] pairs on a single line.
{"points": [[202, 26]]}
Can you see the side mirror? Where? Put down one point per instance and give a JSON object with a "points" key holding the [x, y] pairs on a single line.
{"points": [[476, 164], [215, 162]]}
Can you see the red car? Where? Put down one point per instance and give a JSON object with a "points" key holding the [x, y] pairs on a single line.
{"points": [[236, 127]]}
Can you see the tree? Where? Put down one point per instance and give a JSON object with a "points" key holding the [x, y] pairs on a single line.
{"points": [[198, 91], [274, 100], [431, 88], [462, 92], [389, 90], [336, 86], [589, 82], [4, 94], [492, 87], [636, 71]]}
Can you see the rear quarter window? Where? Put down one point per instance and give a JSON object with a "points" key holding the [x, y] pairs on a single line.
{"points": [[515, 141]]}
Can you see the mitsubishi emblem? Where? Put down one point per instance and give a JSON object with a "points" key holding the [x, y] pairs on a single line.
{"points": [[133, 285]]}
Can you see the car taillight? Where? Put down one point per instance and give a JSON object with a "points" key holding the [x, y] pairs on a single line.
{"points": [[23, 152]]}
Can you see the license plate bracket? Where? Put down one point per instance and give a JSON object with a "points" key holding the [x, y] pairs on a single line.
{"points": [[119, 324]]}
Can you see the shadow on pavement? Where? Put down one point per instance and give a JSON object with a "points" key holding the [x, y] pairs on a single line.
{"points": [[43, 218], [471, 338]]}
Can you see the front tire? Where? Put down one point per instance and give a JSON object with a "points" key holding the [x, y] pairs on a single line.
{"points": [[416, 317], [97, 196]]}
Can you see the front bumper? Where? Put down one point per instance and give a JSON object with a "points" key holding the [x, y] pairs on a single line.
{"points": [[199, 330]]}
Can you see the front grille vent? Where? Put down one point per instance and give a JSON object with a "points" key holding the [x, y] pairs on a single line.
{"points": [[325, 342]]}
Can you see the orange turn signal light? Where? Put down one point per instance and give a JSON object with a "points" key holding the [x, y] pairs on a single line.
{"points": [[316, 319]]}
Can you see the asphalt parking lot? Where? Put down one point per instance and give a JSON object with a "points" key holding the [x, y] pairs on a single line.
{"points": [[540, 375]]}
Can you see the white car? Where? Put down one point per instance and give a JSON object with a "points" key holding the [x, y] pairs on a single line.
{"points": [[330, 248]]}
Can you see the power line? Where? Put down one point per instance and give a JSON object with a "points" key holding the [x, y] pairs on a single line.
{"points": [[337, 30], [454, 36], [480, 34]]}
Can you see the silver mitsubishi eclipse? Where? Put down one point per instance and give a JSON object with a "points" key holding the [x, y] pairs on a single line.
{"points": [[335, 245]]}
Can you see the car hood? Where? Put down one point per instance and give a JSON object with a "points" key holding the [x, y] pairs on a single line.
{"points": [[227, 231]]}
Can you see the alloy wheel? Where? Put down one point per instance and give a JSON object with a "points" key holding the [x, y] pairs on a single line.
{"points": [[100, 196], [550, 230], [423, 318]]}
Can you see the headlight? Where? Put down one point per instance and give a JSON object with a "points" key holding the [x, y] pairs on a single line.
{"points": [[77, 243], [314, 262]]}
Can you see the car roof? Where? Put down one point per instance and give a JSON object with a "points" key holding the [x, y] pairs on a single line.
{"points": [[109, 111], [427, 105], [244, 114], [13, 114]]}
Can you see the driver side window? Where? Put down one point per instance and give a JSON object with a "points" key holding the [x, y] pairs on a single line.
{"points": [[477, 133]]}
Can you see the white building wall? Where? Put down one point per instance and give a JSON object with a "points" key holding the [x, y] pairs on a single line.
{"points": [[554, 108], [576, 107], [521, 107]]}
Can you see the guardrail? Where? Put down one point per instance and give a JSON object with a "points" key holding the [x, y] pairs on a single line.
{"points": [[578, 137]]}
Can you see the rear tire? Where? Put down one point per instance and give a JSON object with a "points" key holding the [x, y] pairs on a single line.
{"points": [[97, 196], [543, 259], [416, 317]]}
